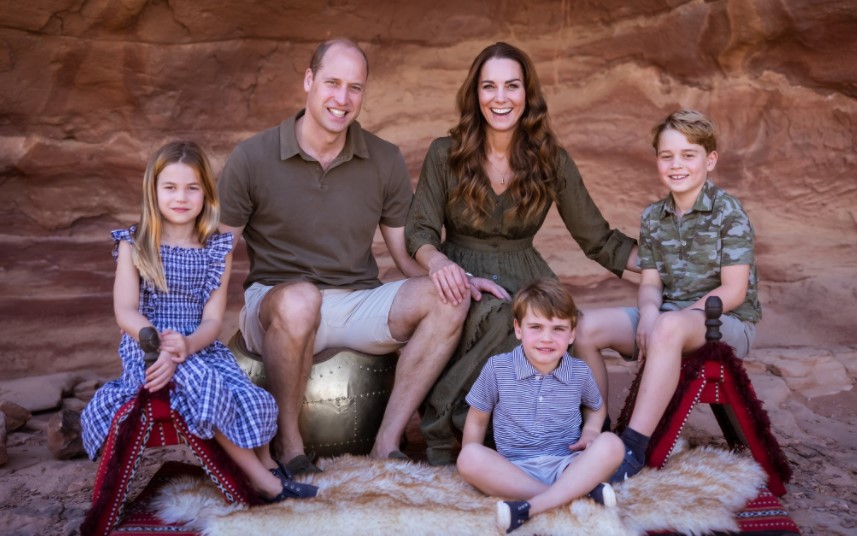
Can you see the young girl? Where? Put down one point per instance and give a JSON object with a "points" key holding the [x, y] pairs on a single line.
{"points": [[171, 274]]}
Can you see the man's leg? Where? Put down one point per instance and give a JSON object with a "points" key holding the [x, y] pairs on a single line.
{"points": [[290, 316], [432, 330]]}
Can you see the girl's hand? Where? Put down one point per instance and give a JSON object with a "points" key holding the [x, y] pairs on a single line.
{"points": [[478, 285], [174, 343], [586, 438], [450, 280], [161, 372]]}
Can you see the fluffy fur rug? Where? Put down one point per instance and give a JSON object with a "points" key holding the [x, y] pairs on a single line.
{"points": [[697, 492]]}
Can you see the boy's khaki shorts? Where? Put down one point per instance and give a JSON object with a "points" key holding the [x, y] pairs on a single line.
{"points": [[736, 333], [356, 319]]}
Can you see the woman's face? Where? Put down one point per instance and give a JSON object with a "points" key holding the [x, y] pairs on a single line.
{"points": [[502, 96]]}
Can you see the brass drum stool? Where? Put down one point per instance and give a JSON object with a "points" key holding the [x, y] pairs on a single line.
{"points": [[345, 397]]}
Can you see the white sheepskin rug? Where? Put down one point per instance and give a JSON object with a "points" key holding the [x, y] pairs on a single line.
{"points": [[698, 491]]}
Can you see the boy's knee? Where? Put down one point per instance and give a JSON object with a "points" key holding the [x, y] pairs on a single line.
{"points": [[468, 459]]}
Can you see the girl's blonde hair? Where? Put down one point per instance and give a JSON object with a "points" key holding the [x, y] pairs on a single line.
{"points": [[147, 239]]}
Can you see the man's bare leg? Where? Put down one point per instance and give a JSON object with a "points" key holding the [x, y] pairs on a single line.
{"points": [[290, 315], [432, 330]]}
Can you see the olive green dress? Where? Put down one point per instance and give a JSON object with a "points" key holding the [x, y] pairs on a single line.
{"points": [[501, 250]]}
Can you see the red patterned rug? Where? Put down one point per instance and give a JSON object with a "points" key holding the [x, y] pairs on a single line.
{"points": [[140, 518]]}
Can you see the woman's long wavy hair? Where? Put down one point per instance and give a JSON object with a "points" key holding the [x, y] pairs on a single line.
{"points": [[534, 150], [147, 239]]}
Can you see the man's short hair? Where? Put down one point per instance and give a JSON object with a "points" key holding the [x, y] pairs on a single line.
{"points": [[318, 56]]}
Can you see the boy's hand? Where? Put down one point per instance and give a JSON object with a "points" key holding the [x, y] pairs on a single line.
{"points": [[174, 343], [586, 437], [644, 330], [160, 374]]}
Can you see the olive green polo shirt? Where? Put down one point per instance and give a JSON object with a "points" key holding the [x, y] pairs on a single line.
{"points": [[302, 222]]}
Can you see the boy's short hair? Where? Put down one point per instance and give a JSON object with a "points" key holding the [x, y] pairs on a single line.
{"points": [[697, 128], [548, 297]]}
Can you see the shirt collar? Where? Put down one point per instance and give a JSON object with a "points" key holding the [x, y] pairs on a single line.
{"points": [[355, 142], [524, 370], [704, 201]]}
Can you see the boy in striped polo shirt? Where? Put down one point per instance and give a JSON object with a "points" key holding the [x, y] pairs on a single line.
{"points": [[535, 392]]}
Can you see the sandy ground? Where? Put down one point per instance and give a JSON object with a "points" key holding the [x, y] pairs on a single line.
{"points": [[43, 496]]}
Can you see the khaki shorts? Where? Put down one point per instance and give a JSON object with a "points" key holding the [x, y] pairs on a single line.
{"points": [[356, 319], [736, 333]]}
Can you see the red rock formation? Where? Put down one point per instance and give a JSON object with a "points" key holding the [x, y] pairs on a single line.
{"points": [[89, 90]]}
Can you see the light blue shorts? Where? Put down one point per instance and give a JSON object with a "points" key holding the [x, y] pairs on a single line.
{"points": [[546, 469], [356, 319], [736, 333]]}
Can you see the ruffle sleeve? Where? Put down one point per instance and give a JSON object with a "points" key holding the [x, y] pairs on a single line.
{"points": [[217, 248], [119, 235]]}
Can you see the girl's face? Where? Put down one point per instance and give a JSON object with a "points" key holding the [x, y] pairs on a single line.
{"points": [[502, 96], [180, 194]]}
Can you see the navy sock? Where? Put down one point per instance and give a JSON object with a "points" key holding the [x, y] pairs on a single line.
{"points": [[636, 442]]}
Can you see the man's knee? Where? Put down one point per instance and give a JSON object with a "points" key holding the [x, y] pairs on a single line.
{"points": [[292, 308]]}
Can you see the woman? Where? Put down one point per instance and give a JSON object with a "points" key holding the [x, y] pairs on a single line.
{"points": [[489, 185]]}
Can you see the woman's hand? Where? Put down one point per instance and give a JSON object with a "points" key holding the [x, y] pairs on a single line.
{"points": [[161, 372], [174, 343], [450, 280], [478, 285]]}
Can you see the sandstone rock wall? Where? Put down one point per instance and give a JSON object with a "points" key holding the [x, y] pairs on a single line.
{"points": [[89, 89]]}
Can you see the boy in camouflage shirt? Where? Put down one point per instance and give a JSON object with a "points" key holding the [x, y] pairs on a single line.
{"points": [[694, 243]]}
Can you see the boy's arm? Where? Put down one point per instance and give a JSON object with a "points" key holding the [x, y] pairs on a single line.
{"points": [[593, 420], [650, 296], [475, 427], [734, 281]]}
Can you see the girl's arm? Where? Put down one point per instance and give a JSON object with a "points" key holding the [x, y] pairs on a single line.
{"points": [[126, 293], [209, 328], [475, 427]]}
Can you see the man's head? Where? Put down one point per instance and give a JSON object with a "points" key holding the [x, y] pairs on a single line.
{"points": [[545, 319], [334, 82]]}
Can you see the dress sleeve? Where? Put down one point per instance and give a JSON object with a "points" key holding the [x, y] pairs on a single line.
{"points": [[219, 246], [427, 215], [120, 235], [608, 247]]}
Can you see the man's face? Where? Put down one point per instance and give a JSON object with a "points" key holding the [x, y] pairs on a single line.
{"points": [[335, 91]]}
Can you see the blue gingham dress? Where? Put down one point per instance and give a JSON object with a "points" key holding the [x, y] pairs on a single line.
{"points": [[211, 391]]}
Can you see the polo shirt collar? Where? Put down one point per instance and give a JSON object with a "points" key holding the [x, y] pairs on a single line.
{"points": [[355, 142], [704, 202], [524, 370]]}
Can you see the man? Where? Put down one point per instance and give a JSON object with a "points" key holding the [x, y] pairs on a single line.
{"points": [[307, 197]]}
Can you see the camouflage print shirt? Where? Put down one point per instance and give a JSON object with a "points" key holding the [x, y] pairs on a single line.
{"points": [[688, 252]]}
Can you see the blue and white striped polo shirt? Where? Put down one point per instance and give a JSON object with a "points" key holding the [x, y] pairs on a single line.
{"points": [[534, 414]]}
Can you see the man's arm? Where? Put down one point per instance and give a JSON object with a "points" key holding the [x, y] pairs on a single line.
{"points": [[236, 232], [394, 237]]}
